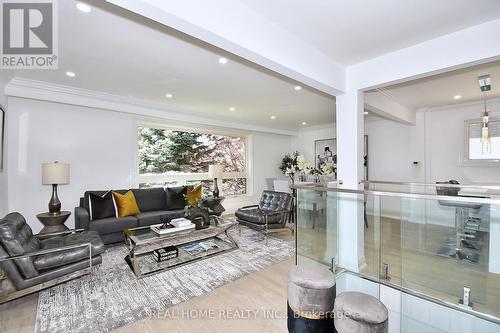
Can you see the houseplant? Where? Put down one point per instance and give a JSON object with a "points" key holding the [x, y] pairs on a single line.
{"points": [[289, 165]]}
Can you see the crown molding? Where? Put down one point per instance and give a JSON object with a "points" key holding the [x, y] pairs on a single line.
{"points": [[44, 91]]}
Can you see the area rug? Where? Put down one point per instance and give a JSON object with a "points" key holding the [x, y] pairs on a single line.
{"points": [[112, 297]]}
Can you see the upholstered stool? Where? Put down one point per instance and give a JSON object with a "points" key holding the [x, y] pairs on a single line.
{"points": [[360, 313], [311, 296]]}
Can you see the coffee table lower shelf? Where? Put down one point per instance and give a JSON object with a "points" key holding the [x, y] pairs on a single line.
{"points": [[145, 264]]}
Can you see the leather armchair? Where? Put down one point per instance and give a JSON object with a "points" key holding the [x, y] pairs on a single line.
{"points": [[29, 263], [272, 212]]}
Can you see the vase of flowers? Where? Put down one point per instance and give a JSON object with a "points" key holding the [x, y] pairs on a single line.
{"points": [[303, 167]]}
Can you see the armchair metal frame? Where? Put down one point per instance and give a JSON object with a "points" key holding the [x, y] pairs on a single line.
{"points": [[266, 229], [23, 292]]}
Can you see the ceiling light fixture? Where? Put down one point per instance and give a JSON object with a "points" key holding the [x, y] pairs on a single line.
{"points": [[70, 74], [304, 123], [365, 113], [223, 60], [297, 88], [457, 96], [169, 95], [273, 117], [232, 109], [83, 7]]}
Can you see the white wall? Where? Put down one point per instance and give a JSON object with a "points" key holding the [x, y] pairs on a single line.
{"points": [[3, 174], [100, 145], [437, 142], [304, 141]]}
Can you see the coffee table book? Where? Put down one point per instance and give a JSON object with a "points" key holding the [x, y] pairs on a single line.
{"points": [[172, 231]]}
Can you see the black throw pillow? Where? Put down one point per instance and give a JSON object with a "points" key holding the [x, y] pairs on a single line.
{"points": [[101, 207], [176, 197]]}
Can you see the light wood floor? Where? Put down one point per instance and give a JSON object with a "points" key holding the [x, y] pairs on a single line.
{"points": [[259, 299]]}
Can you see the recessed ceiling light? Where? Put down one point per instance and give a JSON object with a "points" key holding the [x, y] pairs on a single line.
{"points": [[457, 96], [223, 60], [273, 117], [297, 87], [83, 7], [169, 95], [231, 109], [304, 123], [365, 113], [70, 74]]}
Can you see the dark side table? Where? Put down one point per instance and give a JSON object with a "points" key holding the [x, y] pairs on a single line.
{"points": [[53, 223], [215, 204]]}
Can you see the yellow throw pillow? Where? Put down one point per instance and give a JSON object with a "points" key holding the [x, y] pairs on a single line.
{"points": [[194, 195], [126, 204]]}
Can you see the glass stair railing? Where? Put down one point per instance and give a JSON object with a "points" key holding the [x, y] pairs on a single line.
{"points": [[415, 248]]}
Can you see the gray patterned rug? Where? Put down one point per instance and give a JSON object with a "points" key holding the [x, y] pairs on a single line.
{"points": [[112, 297]]}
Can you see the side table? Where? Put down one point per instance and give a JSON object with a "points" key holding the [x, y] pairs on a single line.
{"points": [[215, 204], [53, 223]]}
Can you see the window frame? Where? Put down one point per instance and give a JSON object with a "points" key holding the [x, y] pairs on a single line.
{"points": [[183, 177], [466, 160]]}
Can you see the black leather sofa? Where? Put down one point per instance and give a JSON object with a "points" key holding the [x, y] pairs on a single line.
{"points": [[153, 203], [272, 212], [29, 263]]}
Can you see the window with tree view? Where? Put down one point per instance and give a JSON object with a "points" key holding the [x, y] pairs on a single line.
{"points": [[173, 157]]}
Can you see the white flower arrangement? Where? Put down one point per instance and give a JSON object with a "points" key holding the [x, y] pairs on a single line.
{"points": [[328, 169], [303, 165]]}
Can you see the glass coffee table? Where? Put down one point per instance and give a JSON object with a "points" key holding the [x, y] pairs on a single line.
{"points": [[141, 243]]}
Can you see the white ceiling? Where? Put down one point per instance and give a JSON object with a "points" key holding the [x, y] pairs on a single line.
{"points": [[357, 30], [439, 90], [116, 52]]}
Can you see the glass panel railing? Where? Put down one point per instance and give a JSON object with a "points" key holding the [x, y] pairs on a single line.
{"points": [[446, 253], [435, 248], [316, 226]]}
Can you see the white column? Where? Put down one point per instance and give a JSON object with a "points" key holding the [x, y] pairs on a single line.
{"points": [[350, 131]]}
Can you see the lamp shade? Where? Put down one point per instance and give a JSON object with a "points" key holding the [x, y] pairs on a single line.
{"points": [[55, 173], [215, 171]]}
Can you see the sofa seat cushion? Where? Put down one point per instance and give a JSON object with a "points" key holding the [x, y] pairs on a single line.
{"points": [[113, 224], [256, 215], [56, 259], [150, 199], [150, 218]]}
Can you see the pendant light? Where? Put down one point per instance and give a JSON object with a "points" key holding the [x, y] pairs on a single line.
{"points": [[485, 85], [485, 132]]}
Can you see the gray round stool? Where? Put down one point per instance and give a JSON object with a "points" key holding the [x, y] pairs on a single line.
{"points": [[360, 313], [311, 296]]}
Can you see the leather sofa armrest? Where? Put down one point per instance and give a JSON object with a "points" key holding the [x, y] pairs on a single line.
{"points": [[281, 211], [48, 251], [248, 207], [61, 233], [82, 218]]}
